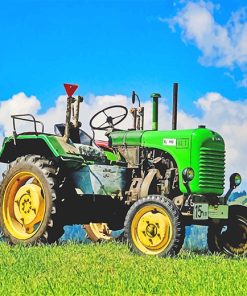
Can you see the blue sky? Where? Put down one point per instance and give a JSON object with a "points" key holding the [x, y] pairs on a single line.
{"points": [[113, 47], [107, 47]]}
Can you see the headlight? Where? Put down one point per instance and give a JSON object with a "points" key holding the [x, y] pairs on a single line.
{"points": [[188, 174], [235, 180]]}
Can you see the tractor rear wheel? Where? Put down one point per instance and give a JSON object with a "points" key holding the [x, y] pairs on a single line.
{"points": [[230, 237], [153, 226], [28, 199], [213, 238], [98, 232]]}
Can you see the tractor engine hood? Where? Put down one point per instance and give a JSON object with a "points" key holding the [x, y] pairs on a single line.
{"points": [[162, 139], [201, 148]]}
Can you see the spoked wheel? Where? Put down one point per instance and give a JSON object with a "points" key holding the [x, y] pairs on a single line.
{"points": [[27, 205], [230, 237], [98, 232], [153, 226]]}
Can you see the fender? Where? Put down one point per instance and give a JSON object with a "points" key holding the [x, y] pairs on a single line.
{"points": [[41, 144]]}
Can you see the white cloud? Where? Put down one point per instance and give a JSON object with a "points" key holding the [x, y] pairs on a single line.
{"points": [[222, 45], [227, 117], [18, 104]]}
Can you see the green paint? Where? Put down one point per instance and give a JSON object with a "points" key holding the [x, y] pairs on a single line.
{"points": [[132, 138], [155, 111], [201, 149], [204, 152], [112, 156], [54, 143], [183, 143]]}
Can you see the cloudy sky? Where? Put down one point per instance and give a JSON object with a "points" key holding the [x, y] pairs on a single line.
{"points": [[113, 47]]}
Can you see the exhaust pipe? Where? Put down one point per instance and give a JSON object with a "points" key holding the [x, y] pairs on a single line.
{"points": [[155, 97], [175, 106]]}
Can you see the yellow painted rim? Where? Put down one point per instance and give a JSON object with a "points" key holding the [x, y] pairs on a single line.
{"points": [[151, 229], [23, 205], [98, 231]]}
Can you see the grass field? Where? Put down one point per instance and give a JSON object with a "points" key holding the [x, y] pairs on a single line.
{"points": [[110, 269]]}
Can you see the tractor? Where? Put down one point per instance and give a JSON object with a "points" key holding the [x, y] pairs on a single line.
{"points": [[151, 183]]}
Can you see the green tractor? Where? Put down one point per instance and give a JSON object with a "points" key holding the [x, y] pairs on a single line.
{"points": [[151, 183]]}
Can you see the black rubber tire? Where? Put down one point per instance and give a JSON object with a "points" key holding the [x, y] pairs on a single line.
{"points": [[1, 234], [224, 237], [50, 229], [212, 238], [178, 229]]}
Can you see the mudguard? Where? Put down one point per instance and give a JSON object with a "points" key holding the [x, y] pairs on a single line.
{"points": [[42, 144]]}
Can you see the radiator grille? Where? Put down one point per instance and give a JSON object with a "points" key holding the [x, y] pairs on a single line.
{"points": [[212, 168]]}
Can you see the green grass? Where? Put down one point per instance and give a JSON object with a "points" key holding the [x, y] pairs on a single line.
{"points": [[110, 269]]}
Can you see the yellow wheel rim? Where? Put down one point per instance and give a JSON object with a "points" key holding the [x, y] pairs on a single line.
{"points": [[151, 229], [23, 205], [98, 231]]}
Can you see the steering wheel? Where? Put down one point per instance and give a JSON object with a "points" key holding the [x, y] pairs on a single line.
{"points": [[109, 120]]}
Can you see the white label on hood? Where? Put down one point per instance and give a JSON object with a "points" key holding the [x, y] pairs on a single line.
{"points": [[169, 142]]}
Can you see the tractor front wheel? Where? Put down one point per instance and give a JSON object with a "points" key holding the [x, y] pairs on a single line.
{"points": [[230, 237], [28, 201], [153, 226]]}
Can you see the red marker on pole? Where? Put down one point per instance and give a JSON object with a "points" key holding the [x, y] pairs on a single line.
{"points": [[70, 89]]}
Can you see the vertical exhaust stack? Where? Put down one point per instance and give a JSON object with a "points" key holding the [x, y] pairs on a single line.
{"points": [[155, 97], [175, 106]]}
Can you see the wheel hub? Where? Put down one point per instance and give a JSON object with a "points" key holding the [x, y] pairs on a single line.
{"points": [[153, 230], [27, 203]]}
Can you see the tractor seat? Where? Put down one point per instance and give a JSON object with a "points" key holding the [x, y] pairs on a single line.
{"points": [[80, 137], [103, 144], [82, 141]]}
